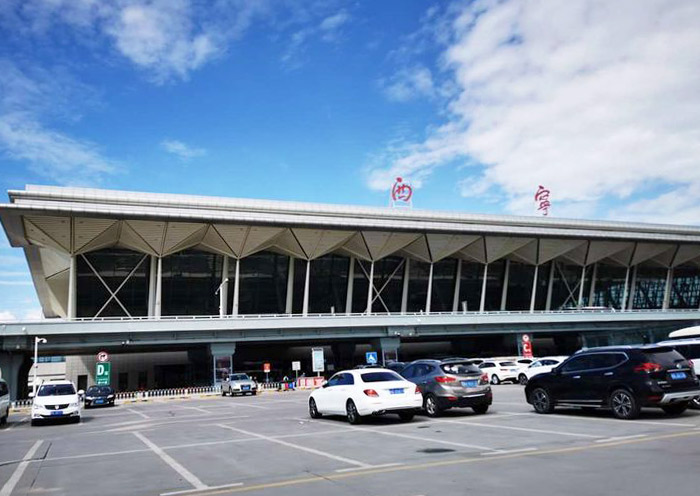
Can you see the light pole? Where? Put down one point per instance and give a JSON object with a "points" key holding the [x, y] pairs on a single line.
{"points": [[221, 295], [37, 340]]}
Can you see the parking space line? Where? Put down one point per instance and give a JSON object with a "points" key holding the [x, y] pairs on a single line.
{"points": [[620, 438], [604, 419], [504, 452], [186, 474], [208, 488], [385, 465], [523, 429], [197, 408], [298, 447], [248, 405], [19, 471], [133, 410]]}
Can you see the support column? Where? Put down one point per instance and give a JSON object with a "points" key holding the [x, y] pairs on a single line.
{"points": [[482, 302], [580, 289], [72, 287], [223, 293], [14, 369], [533, 295], [159, 288], [667, 289], [223, 352], [404, 293], [236, 287], [152, 285], [623, 303], [591, 294], [458, 283], [550, 286], [504, 292], [429, 296], [387, 348], [305, 305], [633, 288], [370, 288], [290, 287], [351, 286]]}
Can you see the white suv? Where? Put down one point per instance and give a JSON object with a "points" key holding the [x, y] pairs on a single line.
{"points": [[540, 366], [499, 371], [56, 400]]}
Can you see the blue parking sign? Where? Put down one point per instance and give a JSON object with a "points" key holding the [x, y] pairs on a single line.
{"points": [[371, 357]]}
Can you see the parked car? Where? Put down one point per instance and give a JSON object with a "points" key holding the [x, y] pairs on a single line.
{"points": [[239, 384], [396, 366], [623, 378], [690, 349], [449, 384], [99, 396], [362, 392], [540, 366], [56, 399], [4, 402], [499, 371]]}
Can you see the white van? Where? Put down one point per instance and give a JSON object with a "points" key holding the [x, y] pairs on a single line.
{"points": [[4, 402], [690, 349]]}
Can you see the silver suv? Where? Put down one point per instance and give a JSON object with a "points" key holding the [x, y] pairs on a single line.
{"points": [[449, 384]]}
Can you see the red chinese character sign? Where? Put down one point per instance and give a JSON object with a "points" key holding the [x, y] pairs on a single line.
{"points": [[542, 202], [526, 346], [401, 193]]}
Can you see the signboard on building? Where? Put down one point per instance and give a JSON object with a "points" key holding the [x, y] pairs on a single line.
{"points": [[296, 366], [371, 357], [102, 373], [267, 367], [317, 360], [527, 346], [542, 201], [103, 357], [401, 193]]}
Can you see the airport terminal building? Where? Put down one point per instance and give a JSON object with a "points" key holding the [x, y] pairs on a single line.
{"points": [[204, 279]]}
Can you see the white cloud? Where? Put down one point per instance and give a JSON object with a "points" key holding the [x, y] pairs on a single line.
{"points": [[34, 314], [329, 30], [408, 84], [6, 316], [592, 98], [181, 150], [330, 26]]}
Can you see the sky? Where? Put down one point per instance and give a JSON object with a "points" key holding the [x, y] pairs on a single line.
{"points": [[477, 103]]}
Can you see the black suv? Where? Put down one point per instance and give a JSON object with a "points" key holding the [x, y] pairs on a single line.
{"points": [[622, 378]]}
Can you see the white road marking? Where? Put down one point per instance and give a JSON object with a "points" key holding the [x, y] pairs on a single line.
{"points": [[133, 410], [248, 405], [298, 447], [352, 469], [523, 429], [503, 452], [619, 438], [198, 409], [605, 419], [19, 471], [186, 474], [141, 425], [195, 491]]}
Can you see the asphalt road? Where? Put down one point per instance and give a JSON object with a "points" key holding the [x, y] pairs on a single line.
{"points": [[267, 445]]}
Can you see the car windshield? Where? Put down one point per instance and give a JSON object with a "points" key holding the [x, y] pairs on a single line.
{"points": [[56, 390], [381, 377], [460, 368], [240, 377], [507, 364], [99, 390]]}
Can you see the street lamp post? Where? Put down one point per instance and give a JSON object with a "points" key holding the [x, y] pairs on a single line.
{"points": [[37, 340], [221, 295]]}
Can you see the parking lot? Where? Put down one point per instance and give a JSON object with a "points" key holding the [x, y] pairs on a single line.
{"points": [[268, 445]]}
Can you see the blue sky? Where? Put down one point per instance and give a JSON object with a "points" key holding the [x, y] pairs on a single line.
{"points": [[477, 102]]}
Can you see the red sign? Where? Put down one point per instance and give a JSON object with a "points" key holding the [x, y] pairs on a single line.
{"points": [[103, 357], [401, 192], [266, 368], [542, 199], [527, 346]]}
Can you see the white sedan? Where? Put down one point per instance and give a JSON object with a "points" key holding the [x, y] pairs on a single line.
{"points": [[56, 399], [540, 366], [363, 392]]}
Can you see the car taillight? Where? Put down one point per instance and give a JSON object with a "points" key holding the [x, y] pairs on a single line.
{"points": [[443, 379], [371, 392], [648, 367], [418, 390], [484, 378], [690, 364]]}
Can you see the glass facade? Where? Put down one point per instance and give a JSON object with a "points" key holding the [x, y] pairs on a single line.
{"points": [[113, 265], [417, 286], [328, 284], [685, 291], [388, 281], [494, 286], [609, 286], [263, 287], [190, 281], [470, 286], [566, 286], [444, 273], [519, 286], [649, 287]]}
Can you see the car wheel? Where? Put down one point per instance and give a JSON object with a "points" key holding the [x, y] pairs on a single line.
{"points": [[495, 380], [254, 393], [352, 413], [313, 411], [695, 403], [541, 401], [676, 408], [522, 379], [3, 419], [406, 416], [76, 420], [223, 393], [623, 404], [480, 409], [431, 406], [34, 422]]}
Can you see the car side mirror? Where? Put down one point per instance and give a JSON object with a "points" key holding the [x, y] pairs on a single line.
{"points": [[81, 392], [324, 384]]}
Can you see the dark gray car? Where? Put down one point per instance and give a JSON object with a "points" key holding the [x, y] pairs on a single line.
{"points": [[449, 384]]}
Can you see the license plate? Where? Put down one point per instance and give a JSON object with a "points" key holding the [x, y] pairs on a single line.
{"points": [[245, 388], [396, 391], [469, 384], [678, 375], [57, 413], [99, 402]]}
